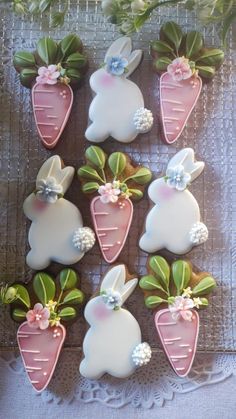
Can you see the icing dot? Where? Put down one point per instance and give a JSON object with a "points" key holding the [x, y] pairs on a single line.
{"points": [[45, 373], [61, 93], [64, 91], [58, 334], [118, 242], [56, 128], [55, 330], [190, 350], [177, 128]]}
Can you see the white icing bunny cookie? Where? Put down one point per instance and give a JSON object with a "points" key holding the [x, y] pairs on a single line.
{"points": [[118, 107], [174, 221], [56, 233], [113, 343]]}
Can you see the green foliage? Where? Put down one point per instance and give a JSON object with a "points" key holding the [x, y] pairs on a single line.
{"points": [[90, 187], [18, 314], [44, 287], [96, 156], [161, 64], [153, 301], [24, 59], [47, 50], [68, 279], [181, 271], [205, 286], [161, 46], [22, 295], [67, 313], [88, 172], [150, 282], [161, 268], [117, 163], [74, 296], [136, 194], [194, 44], [142, 176], [171, 32]]}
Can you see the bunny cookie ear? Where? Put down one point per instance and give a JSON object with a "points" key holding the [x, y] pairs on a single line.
{"points": [[115, 279], [133, 61], [128, 289], [53, 168], [185, 157], [123, 46]]}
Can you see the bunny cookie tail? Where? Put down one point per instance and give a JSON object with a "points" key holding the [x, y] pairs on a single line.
{"points": [[198, 233], [143, 120], [142, 354], [84, 239]]}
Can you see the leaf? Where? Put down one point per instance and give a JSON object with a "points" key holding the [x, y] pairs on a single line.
{"points": [[173, 33], [142, 176], [44, 287], [205, 286], [68, 279], [161, 268], [161, 64], [161, 47], [57, 19], [226, 25], [205, 71], [74, 296], [70, 44], [90, 187], [153, 301], [194, 43], [67, 313], [149, 283], [28, 76], [96, 155], [204, 302], [18, 314], [181, 271], [76, 60], [211, 57], [44, 5], [87, 172], [136, 194], [24, 59], [47, 50], [74, 75], [22, 295], [117, 163]]}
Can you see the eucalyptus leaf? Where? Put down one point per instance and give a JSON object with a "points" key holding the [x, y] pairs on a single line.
{"points": [[161, 47], [76, 60], [22, 295], [136, 194], [68, 279], [28, 77], [67, 313], [24, 59], [181, 271], [44, 5], [47, 50], [150, 282], [90, 187], [74, 296], [194, 43], [153, 301], [161, 268], [173, 33], [87, 172], [18, 314], [57, 19], [206, 71], [44, 287], [142, 176], [205, 286], [117, 163], [96, 156], [162, 63], [70, 44], [211, 57]]}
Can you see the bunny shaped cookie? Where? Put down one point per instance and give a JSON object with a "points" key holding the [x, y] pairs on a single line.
{"points": [[118, 107], [57, 232], [174, 221], [113, 342]]}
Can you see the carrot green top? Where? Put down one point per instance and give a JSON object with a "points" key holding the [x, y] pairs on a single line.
{"points": [[175, 285], [47, 304], [112, 176], [52, 62], [187, 49]]}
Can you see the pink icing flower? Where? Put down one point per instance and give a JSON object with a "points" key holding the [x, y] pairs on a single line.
{"points": [[180, 69], [38, 317], [108, 193], [48, 75], [182, 307]]}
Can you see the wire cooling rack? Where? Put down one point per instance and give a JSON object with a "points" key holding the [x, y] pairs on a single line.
{"points": [[211, 131]]}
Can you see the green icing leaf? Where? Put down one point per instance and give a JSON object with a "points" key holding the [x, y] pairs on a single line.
{"points": [[181, 271], [44, 5], [44, 287], [205, 286], [117, 163], [18, 314], [162, 63], [68, 279], [161, 47], [28, 76], [142, 176], [226, 25], [74, 75], [74, 296], [24, 59], [161, 268], [87, 172], [205, 71], [136, 194], [96, 156], [194, 43], [212, 57], [76, 60], [22, 295], [47, 50], [173, 33], [67, 313], [150, 282], [90, 187], [204, 302], [70, 44], [153, 301]]}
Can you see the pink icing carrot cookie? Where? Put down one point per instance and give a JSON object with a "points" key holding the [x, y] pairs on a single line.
{"points": [[183, 61], [51, 71], [115, 182], [178, 324], [41, 335]]}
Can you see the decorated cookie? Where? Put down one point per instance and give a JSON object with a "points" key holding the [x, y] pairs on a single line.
{"points": [[118, 107], [183, 61], [52, 71], [174, 222], [113, 342], [56, 233], [113, 182], [42, 310], [182, 290]]}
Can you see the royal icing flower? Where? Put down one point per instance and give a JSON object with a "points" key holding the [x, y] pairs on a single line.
{"points": [[138, 6], [181, 307], [197, 302], [187, 292], [180, 69], [112, 299], [116, 65], [38, 317], [177, 178], [48, 190], [48, 75], [108, 193]]}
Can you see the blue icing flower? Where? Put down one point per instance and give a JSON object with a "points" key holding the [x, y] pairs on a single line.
{"points": [[177, 178], [116, 65], [112, 299], [48, 190]]}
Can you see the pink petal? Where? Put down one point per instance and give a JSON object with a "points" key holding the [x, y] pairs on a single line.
{"points": [[40, 79], [51, 81], [52, 68], [38, 307], [45, 313], [55, 75], [105, 199], [101, 189], [34, 324], [30, 316], [43, 324], [113, 198], [186, 314], [42, 70]]}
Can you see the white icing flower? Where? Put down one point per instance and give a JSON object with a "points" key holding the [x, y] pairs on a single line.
{"points": [[143, 120], [181, 307], [48, 190], [109, 193], [198, 233], [177, 178], [142, 354], [112, 299], [84, 239], [138, 6]]}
